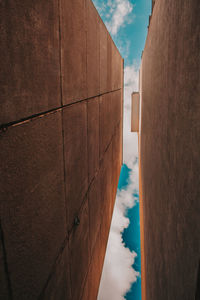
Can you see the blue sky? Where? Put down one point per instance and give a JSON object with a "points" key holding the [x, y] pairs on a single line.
{"points": [[129, 34], [127, 22]]}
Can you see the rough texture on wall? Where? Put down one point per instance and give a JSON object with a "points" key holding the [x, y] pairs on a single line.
{"points": [[61, 148], [169, 151]]}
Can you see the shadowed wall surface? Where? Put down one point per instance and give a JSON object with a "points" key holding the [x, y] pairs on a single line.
{"points": [[169, 151], [61, 148]]}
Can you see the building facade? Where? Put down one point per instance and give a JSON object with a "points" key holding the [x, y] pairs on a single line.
{"points": [[169, 152], [61, 148]]}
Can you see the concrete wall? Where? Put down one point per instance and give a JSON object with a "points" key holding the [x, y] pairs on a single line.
{"points": [[61, 148], [169, 152]]}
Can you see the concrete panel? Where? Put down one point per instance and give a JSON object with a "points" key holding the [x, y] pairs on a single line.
{"points": [[95, 210], [73, 54], [95, 270], [169, 150], [93, 50], [111, 63], [93, 137], [110, 115], [59, 286], [106, 184], [85, 295], [79, 253], [110, 69], [103, 58], [76, 156], [33, 213], [116, 108], [105, 122], [4, 290], [116, 68], [30, 71], [116, 158]]}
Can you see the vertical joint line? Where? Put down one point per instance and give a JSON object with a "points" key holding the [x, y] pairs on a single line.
{"points": [[86, 36], [60, 49], [5, 263]]}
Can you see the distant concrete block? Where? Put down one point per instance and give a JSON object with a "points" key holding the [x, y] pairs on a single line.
{"points": [[93, 137], [29, 59], [135, 110], [59, 286], [93, 50], [76, 157], [73, 55], [33, 213], [79, 253]]}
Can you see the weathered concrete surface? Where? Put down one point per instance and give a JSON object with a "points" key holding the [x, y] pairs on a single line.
{"points": [[73, 54], [116, 108], [105, 122], [116, 68], [116, 157], [101, 201], [52, 175], [59, 285], [110, 111], [95, 210], [33, 213], [79, 253], [76, 157], [110, 63], [93, 50], [103, 58], [29, 58], [95, 270], [106, 192], [169, 150], [4, 290], [93, 137]]}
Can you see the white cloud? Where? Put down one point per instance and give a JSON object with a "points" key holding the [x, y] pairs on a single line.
{"points": [[118, 273], [124, 47], [115, 13], [118, 13]]}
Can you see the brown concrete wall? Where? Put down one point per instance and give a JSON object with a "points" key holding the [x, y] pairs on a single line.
{"points": [[169, 151], [61, 148]]}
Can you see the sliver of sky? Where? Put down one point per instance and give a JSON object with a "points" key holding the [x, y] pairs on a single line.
{"points": [[127, 22]]}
